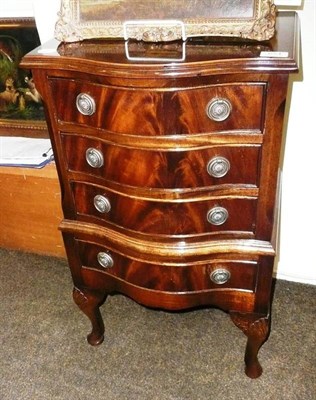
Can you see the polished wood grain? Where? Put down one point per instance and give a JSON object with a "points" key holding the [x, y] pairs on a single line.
{"points": [[256, 328], [160, 112], [152, 128], [167, 250], [168, 218], [168, 278], [173, 169]]}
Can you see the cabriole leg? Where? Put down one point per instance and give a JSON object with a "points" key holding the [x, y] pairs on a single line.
{"points": [[257, 330], [89, 303]]}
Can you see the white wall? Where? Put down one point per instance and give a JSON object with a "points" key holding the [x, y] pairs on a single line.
{"points": [[46, 10], [288, 2], [297, 256], [16, 8]]}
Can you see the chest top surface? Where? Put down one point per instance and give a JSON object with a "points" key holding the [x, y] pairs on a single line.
{"points": [[203, 56]]}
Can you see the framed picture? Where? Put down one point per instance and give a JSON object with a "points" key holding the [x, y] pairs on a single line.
{"points": [[21, 110], [165, 20]]}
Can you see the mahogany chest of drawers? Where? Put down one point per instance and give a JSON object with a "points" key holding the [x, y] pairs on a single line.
{"points": [[169, 171]]}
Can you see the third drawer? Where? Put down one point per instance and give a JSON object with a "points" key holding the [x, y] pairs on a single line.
{"points": [[99, 205]]}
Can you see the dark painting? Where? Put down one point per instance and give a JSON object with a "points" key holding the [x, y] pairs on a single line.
{"points": [[20, 102]]}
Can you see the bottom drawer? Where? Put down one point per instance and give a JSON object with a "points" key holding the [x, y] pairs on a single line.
{"points": [[223, 274]]}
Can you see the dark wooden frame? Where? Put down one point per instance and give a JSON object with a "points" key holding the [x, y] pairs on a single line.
{"points": [[21, 127]]}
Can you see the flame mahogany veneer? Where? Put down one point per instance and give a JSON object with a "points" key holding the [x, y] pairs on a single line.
{"points": [[182, 210]]}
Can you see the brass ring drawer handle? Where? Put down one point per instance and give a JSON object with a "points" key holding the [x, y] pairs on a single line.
{"points": [[218, 109], [102, 204], [220, 276], [105, 260], [218, 167], [217, 215], [85, 104], [94, 157]]}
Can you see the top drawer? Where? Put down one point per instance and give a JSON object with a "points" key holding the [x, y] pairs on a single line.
{"points": [[160, 112]]}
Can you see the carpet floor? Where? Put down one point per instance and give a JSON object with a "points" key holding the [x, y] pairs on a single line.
{"points": [[147, 354]]}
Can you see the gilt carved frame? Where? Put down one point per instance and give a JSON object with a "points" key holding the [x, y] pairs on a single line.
{"points": [[166, 20]]}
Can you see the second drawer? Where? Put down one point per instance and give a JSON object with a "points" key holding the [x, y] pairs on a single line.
{"points": [[217, 165]]}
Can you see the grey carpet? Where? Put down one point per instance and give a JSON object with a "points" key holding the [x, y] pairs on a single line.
{"points": [[147, 354]]}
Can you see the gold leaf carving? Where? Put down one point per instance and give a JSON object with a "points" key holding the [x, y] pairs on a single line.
{"points": [[70, 27]]}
